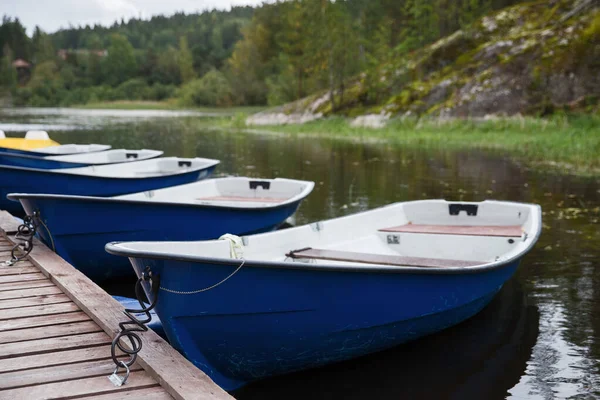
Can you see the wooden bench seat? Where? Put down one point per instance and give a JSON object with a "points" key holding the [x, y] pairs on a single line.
{"points": [[382, 259], [242, 199], [471, 230]]}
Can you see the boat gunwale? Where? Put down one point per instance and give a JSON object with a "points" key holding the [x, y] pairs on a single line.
{"points": [[113, 199], [114, 249], [83, 164], [67, 171], [102, 147]]}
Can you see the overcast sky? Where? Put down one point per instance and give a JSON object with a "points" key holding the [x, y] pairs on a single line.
{"points": [[52, 15]]}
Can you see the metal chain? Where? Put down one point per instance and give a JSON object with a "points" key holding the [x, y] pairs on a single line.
{"points": [[139, 325], [25, 233], [206, 288]]}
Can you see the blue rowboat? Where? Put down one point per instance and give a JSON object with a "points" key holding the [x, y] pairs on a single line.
{"points": [[333, 290], [60, 150], [79, 227], [78, 160], [104, 180]]}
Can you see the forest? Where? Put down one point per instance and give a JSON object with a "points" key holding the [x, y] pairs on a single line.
{"points": [[269, 55]]}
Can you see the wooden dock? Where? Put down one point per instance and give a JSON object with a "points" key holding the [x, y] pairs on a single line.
{"points": [[56, 327]]}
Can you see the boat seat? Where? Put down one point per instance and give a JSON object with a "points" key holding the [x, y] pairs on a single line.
{"points": [[382, 259], [241, 198], [471, 230]]}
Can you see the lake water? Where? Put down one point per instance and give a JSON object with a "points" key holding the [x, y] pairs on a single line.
{"points": [[538, 339]]}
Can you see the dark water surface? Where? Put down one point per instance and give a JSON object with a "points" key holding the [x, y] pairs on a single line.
{"points": [[538, 339]]}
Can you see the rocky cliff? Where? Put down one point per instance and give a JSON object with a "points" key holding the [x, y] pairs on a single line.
{"points": [[533, 58]]}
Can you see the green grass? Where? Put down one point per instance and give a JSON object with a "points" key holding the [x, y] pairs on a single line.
{"points": [[163, 105], [569, 143]]}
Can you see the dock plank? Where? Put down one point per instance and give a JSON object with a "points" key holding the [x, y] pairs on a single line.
{"points": [[50, 344], [21, 335], [18, 269], [25, 285], [22, 277], [153, 393], [177, 375], [43, 320], [34, 301], [55, 349], [58, 357], [59, 373], [33, 292], [8, 223], [79, 387], [50, 309]]}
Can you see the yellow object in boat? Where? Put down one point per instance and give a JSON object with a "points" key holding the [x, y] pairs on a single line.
{"points": [[32, 140]]}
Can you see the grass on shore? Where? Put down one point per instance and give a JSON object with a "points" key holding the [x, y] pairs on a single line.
{"points": [[569, 143], [164, 105]]}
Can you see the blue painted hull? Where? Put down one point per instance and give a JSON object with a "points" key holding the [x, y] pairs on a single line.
{"points": [[80, 228], [16, 160], [267, 321], [22, 180]]}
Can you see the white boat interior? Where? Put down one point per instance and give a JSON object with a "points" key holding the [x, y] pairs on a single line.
{"points": [[109, 157], [147, 168], [2, 135], [236, 192], [65, 149], [426, 233], [37, 135]]}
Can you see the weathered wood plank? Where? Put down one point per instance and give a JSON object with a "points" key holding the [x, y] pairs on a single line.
{"points": [[472, 230], [58, 357], [22, 278], [25, 285], [78, 387], [43, 320], [8, 223], [176, 374], [153, 393], [24, 293], [378, 259], [42, 332], [34, 301], [18, 269], [37, 310], [58, 373], [51, 344]]}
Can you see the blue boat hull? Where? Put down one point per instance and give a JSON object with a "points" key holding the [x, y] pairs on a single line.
{"points": [[16, 160], [267, 321], [80, 228], [17, 180]]}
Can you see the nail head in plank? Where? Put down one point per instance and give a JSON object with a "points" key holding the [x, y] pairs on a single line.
{"points": [[57, 343], [42, 332], [43, 320], [79, 387], [59, 373], [34, 301], [471, 230]]}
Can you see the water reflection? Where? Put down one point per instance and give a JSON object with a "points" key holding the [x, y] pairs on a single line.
{"points": [[487, 356]]}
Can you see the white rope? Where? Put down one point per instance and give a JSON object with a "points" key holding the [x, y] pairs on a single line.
{"points": [[236, 251]]}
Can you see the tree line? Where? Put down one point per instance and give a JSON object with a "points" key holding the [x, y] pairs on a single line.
{"points": [[272, 54]]}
